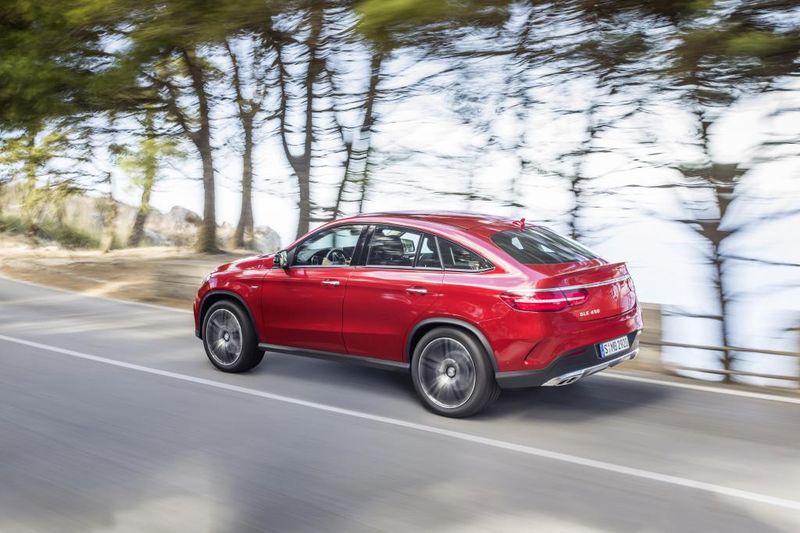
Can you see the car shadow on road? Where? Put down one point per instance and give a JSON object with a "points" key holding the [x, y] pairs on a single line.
{"points": [[591, 398], [346, 376]]}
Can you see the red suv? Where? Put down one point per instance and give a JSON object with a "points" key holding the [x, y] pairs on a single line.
{"points": [[469, 304]]}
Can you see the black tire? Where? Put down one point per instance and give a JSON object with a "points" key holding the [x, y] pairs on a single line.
{"points": [[225, 323], [452, 373]]}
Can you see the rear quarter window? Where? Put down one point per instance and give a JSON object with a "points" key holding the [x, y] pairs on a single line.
{"points": [[455, 257], [541, 246]]}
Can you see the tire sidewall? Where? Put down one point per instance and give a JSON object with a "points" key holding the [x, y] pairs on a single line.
{"points": [[249, 341], [485, 385]]}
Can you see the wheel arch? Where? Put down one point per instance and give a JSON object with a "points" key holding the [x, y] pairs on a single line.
{"points": [[424, 326], [218, 295]]}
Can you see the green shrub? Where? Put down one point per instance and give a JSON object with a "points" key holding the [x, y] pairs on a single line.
{"points": [[66, 236]]}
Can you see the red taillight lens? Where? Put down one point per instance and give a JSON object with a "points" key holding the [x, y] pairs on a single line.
{"points": [[576, 296], [544, 301]]}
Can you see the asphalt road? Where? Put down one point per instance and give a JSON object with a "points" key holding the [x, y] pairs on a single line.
{"points": [[111, 418]]}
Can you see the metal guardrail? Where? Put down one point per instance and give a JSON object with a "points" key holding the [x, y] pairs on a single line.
{"points": [[722, 348], [728, 349]]}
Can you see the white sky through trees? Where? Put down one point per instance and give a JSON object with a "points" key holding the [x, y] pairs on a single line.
{"points": [[427, 156]]}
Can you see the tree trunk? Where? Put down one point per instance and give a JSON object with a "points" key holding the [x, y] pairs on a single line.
{"points": [[109, 214], [303, 201], [150, 167], [304, 168], [207, 238], [724, 178], [727, 359], [248, 109], [243, 236], [716, 235], [301, 164], [30, 185], [578, 178], [137, 232], [355, 151]]}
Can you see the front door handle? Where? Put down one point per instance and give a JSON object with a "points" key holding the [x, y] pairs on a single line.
{"points": [[417, 290], [331, 282]]}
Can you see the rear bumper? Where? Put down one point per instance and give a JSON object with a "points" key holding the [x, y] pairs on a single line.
{"points": [[568, 369]]}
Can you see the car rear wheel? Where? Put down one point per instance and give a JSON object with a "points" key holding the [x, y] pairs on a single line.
{"points": [[229, 338], [452, 373]]}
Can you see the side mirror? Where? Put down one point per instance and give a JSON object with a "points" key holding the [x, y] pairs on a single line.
{"points": [[282, 259]]}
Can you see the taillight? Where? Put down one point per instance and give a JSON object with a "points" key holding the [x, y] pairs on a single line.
{"points": [[544, 301]]}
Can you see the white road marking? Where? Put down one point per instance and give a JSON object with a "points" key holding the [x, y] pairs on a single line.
{"points": [[485, 441], [610, 374], [704, 388]]}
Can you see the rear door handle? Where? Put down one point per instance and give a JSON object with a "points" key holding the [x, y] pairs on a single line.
{"points": [[331, 282], [417, 290]]}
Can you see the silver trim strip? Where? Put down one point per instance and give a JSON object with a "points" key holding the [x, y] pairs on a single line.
{"points": [[585, 285], [391, 267], [292, 267]]}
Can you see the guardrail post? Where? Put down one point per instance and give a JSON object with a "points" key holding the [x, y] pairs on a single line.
{"points": [[649, 357], [797, 341]]}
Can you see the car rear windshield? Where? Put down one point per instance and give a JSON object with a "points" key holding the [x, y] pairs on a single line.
{"points": [[540, 246]]}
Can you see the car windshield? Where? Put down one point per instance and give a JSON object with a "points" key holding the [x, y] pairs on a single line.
{"points": [[541, 246]]}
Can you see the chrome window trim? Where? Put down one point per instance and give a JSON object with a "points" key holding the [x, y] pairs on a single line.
{"points": [[584, 285], [317, 266], [465, 271], [392, 267], [398, 267]]}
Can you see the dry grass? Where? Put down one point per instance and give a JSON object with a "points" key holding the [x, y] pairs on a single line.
{"points": [[163, 275]]}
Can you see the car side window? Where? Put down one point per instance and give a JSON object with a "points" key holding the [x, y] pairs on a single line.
{"points": [[330, 248], [392, 247], [428, 253], [457, 257]]}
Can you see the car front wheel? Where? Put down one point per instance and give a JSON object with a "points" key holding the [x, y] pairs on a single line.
{"points": [[229, 338], [452, 373]]}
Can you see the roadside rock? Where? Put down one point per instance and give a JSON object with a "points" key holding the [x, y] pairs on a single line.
{"points": [[266, 240], [178, 227]]}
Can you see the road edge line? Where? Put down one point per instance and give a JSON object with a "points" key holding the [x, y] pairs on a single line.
{"points": [[703, 388]]}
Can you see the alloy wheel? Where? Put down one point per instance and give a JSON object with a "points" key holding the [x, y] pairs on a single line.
{"points": [[224, 337], [447, 372]]}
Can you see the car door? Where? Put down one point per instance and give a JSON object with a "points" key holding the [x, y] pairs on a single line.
{"points": [[302, 304], [398, 280]]}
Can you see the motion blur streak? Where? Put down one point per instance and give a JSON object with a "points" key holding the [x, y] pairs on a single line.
{"points": [[705, 388], [528, 450], [610, 374], [98, 297]]}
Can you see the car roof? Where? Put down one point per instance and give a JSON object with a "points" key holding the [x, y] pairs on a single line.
{"points": [[473, 222]]}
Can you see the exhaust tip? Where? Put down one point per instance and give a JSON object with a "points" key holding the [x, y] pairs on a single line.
{"points": [[566, 379], [572, 377]]}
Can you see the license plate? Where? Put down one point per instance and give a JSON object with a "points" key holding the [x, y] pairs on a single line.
{"points": [[614, 346]]}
